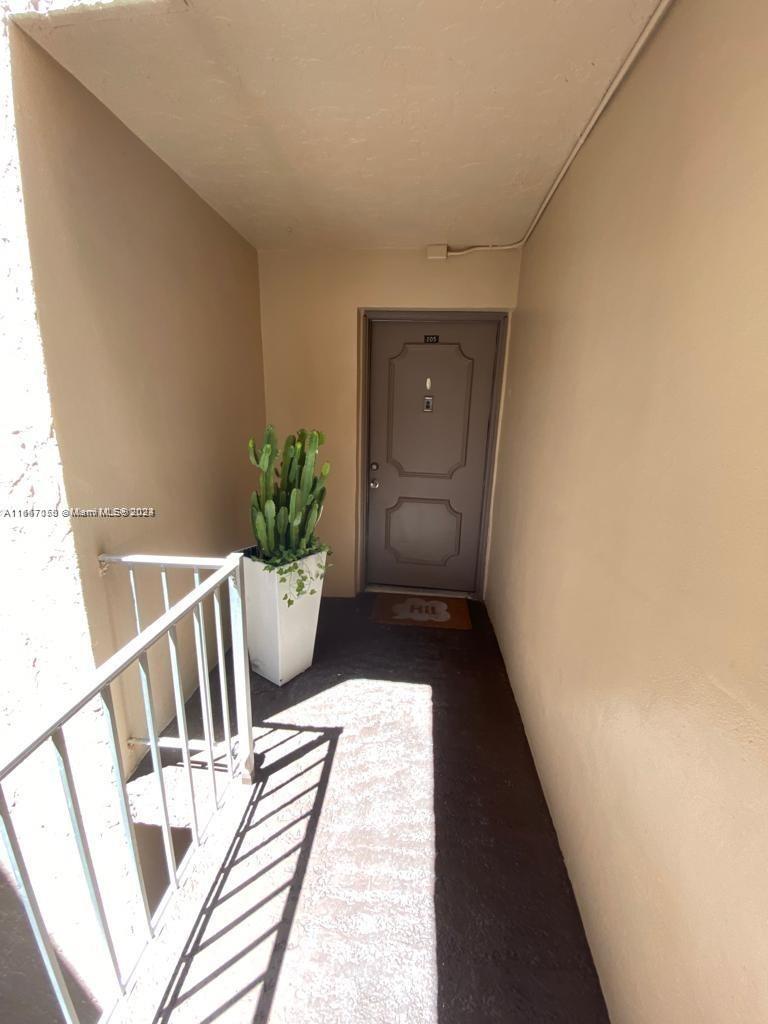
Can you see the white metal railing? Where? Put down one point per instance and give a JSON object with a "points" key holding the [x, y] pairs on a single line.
{"points": [[224, 572]]}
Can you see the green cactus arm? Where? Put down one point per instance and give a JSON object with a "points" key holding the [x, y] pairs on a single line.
{"points": [[269, 516], [282, 526], [309, 526], [252, 453], [319, 481], [267, 458], [286, 466], [295, 466], [308, 470], [294, 531], [270, 438], [269, 478], [264, 456], [288, 450], [296, 504], [260, 529]]}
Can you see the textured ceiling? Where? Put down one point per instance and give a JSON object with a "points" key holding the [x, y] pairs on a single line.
{"points": [[356, 123]]}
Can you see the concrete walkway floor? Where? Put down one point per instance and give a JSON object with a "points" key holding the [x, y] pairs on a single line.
{"points": [[395, 863]]}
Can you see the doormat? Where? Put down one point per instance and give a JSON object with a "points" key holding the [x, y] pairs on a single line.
{"points": [[413, 610]]}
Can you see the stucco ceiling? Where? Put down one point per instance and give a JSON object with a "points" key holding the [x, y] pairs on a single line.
{"points": [[356, 123]]}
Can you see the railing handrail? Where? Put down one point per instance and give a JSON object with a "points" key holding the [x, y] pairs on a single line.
{"points": [[130, 652], [164, 561]]}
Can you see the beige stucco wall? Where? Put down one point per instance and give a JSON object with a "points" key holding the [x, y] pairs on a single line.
{"points": [[30, 473], [310, 303], [149, 310], [629, 576]]}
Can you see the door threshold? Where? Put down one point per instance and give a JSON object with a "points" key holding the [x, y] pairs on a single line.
{"points": [[382, 588]]}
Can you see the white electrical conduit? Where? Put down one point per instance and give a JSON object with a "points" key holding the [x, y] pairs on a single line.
{"points": [[650, 27]]}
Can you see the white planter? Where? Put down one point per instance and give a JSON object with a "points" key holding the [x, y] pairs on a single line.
{"points": [[281, 639]]}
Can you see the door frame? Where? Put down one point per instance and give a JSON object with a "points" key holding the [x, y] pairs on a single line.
{"points": [[367, 318]]}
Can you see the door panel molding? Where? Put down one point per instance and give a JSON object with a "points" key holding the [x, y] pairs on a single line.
{"points": [[398, 554], [463, 439]]}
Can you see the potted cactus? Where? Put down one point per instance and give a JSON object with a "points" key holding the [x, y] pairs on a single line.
{"points": [[285, 567]]}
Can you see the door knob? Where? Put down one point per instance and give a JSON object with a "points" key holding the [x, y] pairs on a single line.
{"points": [[374, 483]]}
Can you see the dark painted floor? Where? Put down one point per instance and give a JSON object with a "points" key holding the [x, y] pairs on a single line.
{"points": [[510, 942]]}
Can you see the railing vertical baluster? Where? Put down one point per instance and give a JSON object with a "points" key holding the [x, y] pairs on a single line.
{"points": [[205, 689], [157, 763], [135, 597], [32, 908], [181, 714], [125, 807], [83, 848], [242, 674], [149, 713], [223, 678]]}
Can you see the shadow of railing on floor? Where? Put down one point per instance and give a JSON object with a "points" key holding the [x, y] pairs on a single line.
{"points": [[258, 885]]}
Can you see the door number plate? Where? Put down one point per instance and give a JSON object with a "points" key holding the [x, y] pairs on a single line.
{"points": [[431, 339]]}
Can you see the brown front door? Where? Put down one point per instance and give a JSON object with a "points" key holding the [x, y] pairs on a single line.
{"points": [[431, 393]]}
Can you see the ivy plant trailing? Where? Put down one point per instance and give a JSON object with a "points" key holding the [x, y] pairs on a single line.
{"points": [[287, 507]]}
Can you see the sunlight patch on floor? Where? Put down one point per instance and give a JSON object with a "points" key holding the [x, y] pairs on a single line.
{"points": [[362, 946], [323, 908]]}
